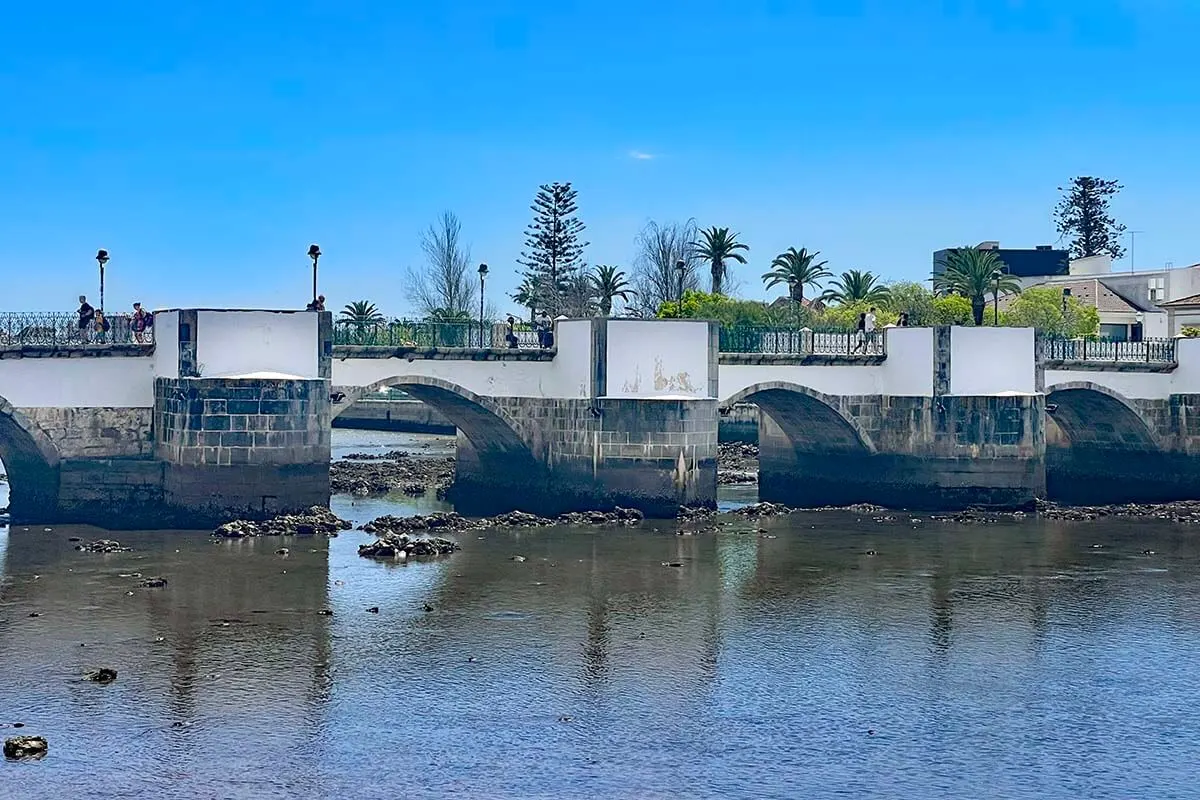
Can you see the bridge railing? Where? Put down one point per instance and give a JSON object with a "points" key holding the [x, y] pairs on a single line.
{"points": [[1149, 350], [61, 329], [780, 340], [424, 333]]}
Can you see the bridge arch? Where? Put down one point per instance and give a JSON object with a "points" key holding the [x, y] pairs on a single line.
{"points": [[490, 429], [813, 421], [31, 461], [1092, 415]]}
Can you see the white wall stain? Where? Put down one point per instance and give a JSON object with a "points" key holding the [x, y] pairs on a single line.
{"points": [[680, 382]]}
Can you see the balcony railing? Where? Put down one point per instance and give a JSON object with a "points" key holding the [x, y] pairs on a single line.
{"points": [[61, 329], [431, 334], [1161, 351], [777, 340]]}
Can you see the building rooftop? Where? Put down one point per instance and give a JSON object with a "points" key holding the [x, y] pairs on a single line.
{"points": [[1191, 301], [1093, 292]]}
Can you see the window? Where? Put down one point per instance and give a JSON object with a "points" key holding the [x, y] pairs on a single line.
{"points": [[1156, 289]]}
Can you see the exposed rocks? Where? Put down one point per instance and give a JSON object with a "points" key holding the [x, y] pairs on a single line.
{"points": [[512, 519], [402, 546], [103, 546], [153, 583], [763, 510], [399, 472], [1185, 512], [102, 675], [439, 521], [18, 747], [737, 463], [317, 520], [390, 455]]}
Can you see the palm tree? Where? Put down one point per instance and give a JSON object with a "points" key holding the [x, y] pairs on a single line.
{"points": [[608, 283], [717, 245], [856, 286], [974, 274], [527, 294], [796, 269], [361, 315]]}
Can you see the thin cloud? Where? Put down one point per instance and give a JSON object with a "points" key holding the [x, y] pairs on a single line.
{"points": [[638, 155]]}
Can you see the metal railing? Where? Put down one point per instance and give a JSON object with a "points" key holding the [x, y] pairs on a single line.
{"points": [[777, 340], [61, 329], [432, 334], [1161, 351]]}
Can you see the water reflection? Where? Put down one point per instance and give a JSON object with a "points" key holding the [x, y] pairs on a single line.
{"points": [[1003, 660]]}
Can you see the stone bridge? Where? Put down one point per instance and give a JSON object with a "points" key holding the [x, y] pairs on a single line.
{"points": [[226, 415], [949, 417]]}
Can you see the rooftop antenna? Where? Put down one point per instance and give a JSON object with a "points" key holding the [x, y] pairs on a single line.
{"points": [[1132, 244]]}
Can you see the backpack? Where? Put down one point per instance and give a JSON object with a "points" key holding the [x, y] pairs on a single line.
{"points": [[148, 320]]}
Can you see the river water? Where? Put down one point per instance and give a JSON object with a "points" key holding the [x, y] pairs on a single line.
{"points": [[782, 659]]}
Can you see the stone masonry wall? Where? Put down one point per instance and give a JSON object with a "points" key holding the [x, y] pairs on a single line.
{"points": [[96, 432], [222, 422]]}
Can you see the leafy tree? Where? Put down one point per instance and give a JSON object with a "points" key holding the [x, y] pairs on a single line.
{"points": [[796, 269], [974, 274], [554, 252], [726, 310], [856, 286], [912, 298], [659, 249], [446, 284], [1083, 214], [609, 283], [1041, 307], [716, 246], [951, 309], [579, 296], [845, 316]]}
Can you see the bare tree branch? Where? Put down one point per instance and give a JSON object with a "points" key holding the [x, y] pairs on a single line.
{"points": [[658, 249], [445, 287]]}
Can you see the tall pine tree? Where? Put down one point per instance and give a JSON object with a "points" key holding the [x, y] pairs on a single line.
{"points": [[1083, 214], [553, 257]]}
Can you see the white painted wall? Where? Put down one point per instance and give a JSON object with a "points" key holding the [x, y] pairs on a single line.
{"points": [[1154, 325], [572, 367], [116, 382], [166, 344], [987, 361], [488, 378], [657, 358], [233, 343]]}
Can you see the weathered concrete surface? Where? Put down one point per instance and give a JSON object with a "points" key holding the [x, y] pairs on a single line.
{"points": [[96, 432]]}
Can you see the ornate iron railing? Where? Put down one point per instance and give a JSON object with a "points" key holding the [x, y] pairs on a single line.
{"points": [[61, 329], [1149, 350], [432, 334], [778, 340]]}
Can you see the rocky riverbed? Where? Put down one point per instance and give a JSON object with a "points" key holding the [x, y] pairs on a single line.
{"points": [[316, 520], [397, 470]]}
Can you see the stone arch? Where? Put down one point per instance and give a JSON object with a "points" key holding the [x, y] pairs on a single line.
{"points": [[1092, 415], [813, 421], [31, 461], [488, 427]]}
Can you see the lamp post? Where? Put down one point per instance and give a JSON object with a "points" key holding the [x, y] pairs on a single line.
{"points": [[996, 298], [681, 268], [314, 252], [482, 275], [101, 259], [791, 282], [1066, 297]]}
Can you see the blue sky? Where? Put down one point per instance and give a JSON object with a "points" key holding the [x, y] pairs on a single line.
{"points": [[207, 144]]}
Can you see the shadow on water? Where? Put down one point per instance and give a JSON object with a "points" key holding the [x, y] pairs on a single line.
{"points": [[1001, 660]]}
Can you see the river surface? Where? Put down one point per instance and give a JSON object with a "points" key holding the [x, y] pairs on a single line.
{"points": [[781, 660]]}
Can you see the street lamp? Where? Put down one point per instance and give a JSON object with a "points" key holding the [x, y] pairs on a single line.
{"points": [[791, 282], [314, 252], [996, 298], [681, 268], [101, 259], [1065, 298], [482, 275]]}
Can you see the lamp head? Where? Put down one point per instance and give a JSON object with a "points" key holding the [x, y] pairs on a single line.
{"points": [[681, 265], [314, 251], [102, 256], [482, 270]]}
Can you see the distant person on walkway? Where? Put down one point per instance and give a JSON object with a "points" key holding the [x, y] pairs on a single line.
{"points": [[903, 321], [87, 318], [860, 334], [545, 337], [869, 328], [316, 305], [510, 335], [139, 322]]}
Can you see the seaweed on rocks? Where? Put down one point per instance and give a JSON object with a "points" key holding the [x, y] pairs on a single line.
{"points": [[103, 546], [396, 472], [403, 546], [317, 520]]}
